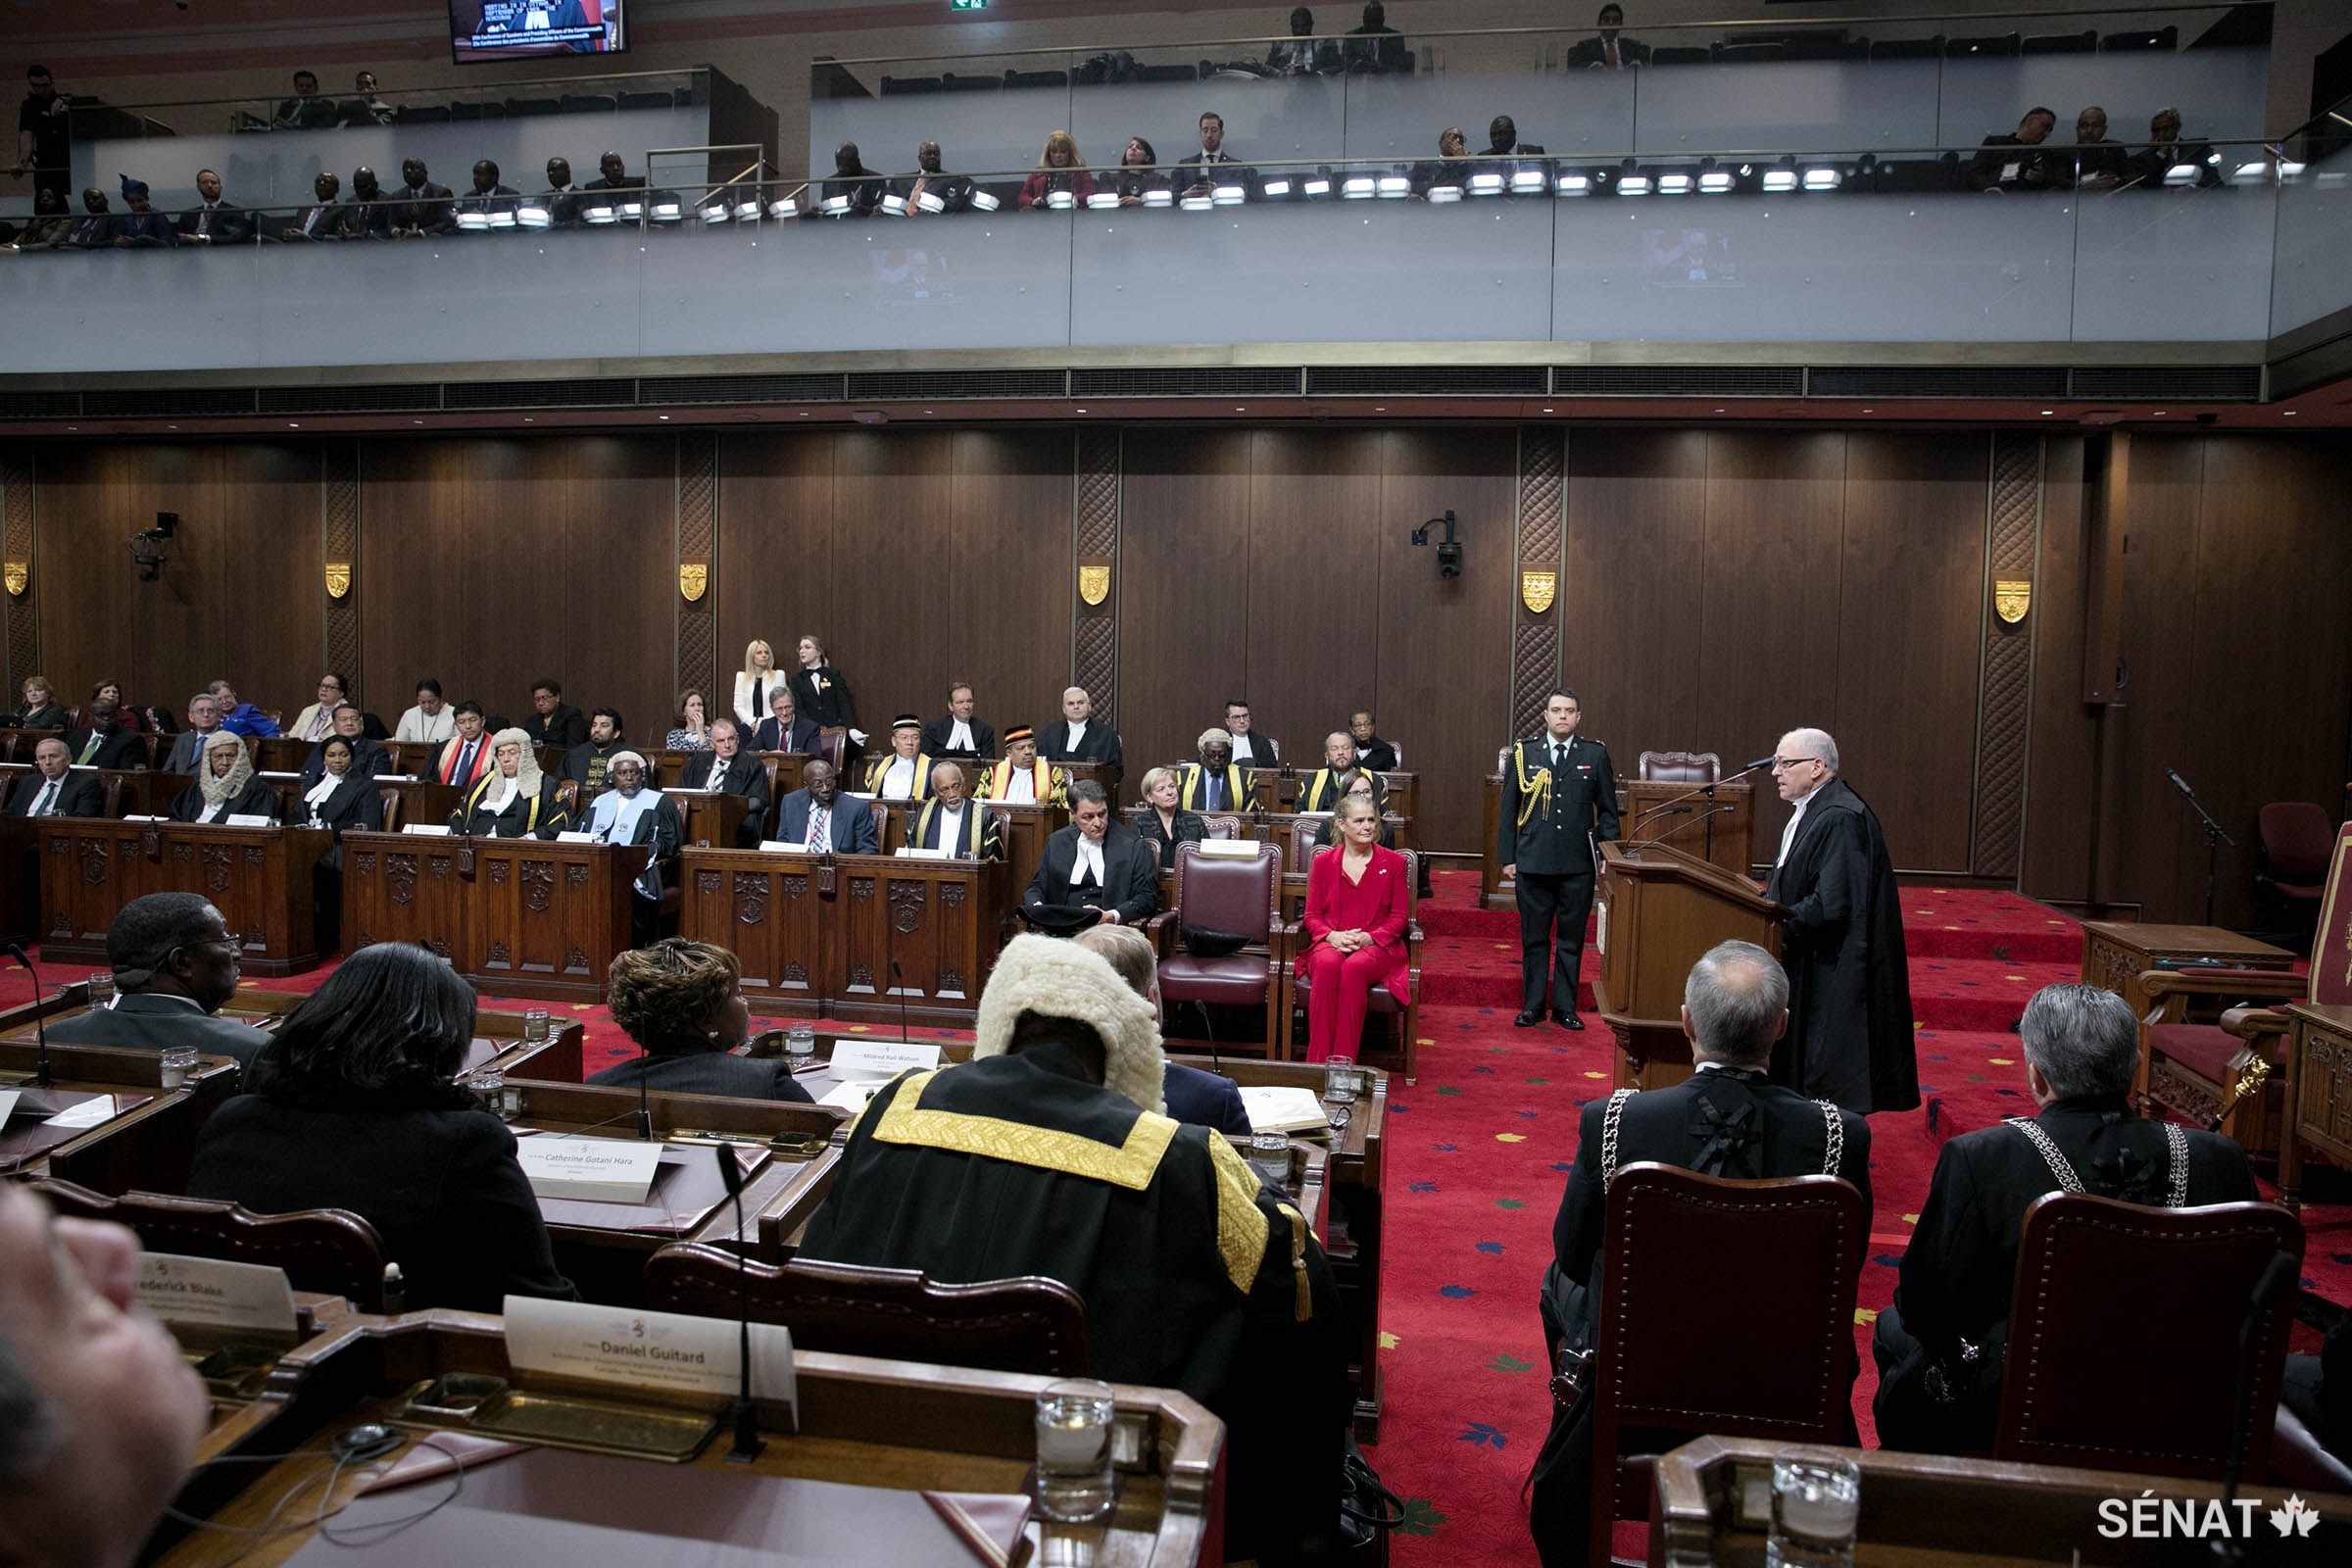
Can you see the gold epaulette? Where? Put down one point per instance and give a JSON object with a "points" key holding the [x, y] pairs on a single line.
{"points": [[1240, 1224]]}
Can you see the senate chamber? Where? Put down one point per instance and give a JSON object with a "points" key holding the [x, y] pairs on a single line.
{"points": [[1068, 785]]}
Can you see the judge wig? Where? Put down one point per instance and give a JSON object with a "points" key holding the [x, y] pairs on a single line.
{"points": [[1058, 979]]}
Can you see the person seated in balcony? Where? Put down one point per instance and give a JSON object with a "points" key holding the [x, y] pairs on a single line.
{"points": [[1505, 153], [1202, 173], [612, 175], [852, 180], [213, 220], [95, 228], [52, 222], [323, 217], [1059, 168], [2016, 162], [306, 110], [953, 191], [1375, 46], [368, 214], [488, 196], [1609, 49], [562, 198], [421, 207], [2167, 151], [2098, 164], [1137, 173], [368, 108], [1448, 167], [1304, 55], [142, 228]]}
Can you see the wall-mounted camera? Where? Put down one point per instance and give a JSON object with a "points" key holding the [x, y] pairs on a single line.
{"points": [[1449, 549], [150, 548]]}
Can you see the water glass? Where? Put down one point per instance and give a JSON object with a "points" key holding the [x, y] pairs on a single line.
{"points": [[536, 1026], [1343, 1081], [799, 1045], [101, 988], [180, 1065], [490, 1087], [1270, 1156], [1816, 1502], [1073, 1450]]}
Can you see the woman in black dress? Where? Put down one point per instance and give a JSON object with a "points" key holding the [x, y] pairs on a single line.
{"points": [[341, 799], [818, 692], [1158, 820]]}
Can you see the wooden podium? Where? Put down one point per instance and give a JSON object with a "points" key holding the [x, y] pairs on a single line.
{"points": [[258, 878], [1717, 826], [1660, 909], [518, 918]]}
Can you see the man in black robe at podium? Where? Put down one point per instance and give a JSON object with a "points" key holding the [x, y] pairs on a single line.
{"points": [[1048, 1155], [1849, 989]]}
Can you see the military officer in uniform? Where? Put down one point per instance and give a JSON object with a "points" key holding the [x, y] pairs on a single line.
{"points": [[1559, 796]]}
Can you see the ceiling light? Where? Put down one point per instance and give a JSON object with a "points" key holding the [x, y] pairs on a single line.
{"points": [[1356, 188], [1441, 195], [984, 202], [1273, 189], [716, 213], [1061, 201], [2046, 413], [631, 212], [1822, 179], [1195, 203], [1634, 185], [1081, 411], [1777, 180], [502, 218], [2286, 413], [1674, 185], [1392, 186], [599, 215], [783, 207], [1546, 410], [1319, 185], [1102, 198], [747, 210], [931, 201], [1572, 185], [1714, 183], [1527, 181], [1229, 196], [835, 207], [473, 222], [1489, 184], [894, 205], [2180, 175], [1160, 198], [533, 216]]}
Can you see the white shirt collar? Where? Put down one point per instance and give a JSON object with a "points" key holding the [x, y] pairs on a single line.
{"points": [[1087, 857], [898, 779], [1021, 785], [327, 784], [1077, 731], [959, 734]]}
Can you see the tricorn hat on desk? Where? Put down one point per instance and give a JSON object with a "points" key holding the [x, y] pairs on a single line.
{"points": [[1057, 919]]}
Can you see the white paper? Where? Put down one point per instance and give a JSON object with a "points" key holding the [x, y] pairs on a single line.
{"points": [[146, 820], [272, 773], [667, 1351], [8, 1103], [218, 1294], [251, 819], [1227, 849], [881, 1059], [427, 830], [910, 854], [601, 1170], [96, 1112], [1600, 929], [780, 847], [568, 837], [1282, 1108], [852, 1096]]}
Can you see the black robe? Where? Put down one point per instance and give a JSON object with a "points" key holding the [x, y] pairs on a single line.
{"points": [[1194, 1276], [259, 797], [1849, 991], [823, 695], [518, 821]]}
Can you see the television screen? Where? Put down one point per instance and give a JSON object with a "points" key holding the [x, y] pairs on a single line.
{"points": [[532, 29]]}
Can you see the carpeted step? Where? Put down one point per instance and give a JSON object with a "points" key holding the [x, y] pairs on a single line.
{"points": [[1958, 994], [1482, 972]]}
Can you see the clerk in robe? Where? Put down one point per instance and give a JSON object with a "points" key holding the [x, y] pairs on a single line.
{"points": [[960, 732], [784, 729], [53, 788], [225, 786], [820, 818], [727, 768], [1215, 783], [1020, 778], [1082, 738], [514, 800], [630, 814], [1841, 941], [951, 821], [342, 797], [904, 772], [756, 682], [1326, 786], [1250, 748], [590, 762], [1096, 864]]}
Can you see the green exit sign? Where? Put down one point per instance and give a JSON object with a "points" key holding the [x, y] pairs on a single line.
{"points": [[967, 5]]}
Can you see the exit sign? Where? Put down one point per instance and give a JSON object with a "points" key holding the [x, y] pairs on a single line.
{"points": [[967, 5]]}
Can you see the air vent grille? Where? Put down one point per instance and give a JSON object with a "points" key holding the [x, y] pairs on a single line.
{"points": [[1678, 380], [39, 405], [1187, 381], [163, 403], [674, 389], [1426, 380], [904, 385], [350, 399], [2200, 383], [1938, 381], [617, 391]]}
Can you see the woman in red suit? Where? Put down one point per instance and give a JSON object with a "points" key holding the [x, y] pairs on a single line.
{"points": [[1356, 895]]}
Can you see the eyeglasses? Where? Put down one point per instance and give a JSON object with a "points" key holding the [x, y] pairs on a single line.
{"points": [[1781, 765]]}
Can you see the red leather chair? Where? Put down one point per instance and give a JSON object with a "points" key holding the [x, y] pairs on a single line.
{"points": [[331, 1251], [1673, 1358], [1680, 767], [389, 799], [2076, 1386], [1243, 896], [1383, 1003], [2297, 836]]}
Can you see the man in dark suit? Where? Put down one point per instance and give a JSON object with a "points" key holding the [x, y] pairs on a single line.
{"points": [[1204, 1098], [853, 180], [954, 192], [1559, 796], [1304, 55], [1726, 1119], [784, 729], [817, 816], [422, 207], [53, 788], [1212, 166], [1097, 864], [953, 821], [1502, 139], [489, 195], [307, 110], [213, 220], [554, 722], [562, 198], [586, 763], [103, 742], [959, 733], [96, 227], [1371, 752], [2015, 163], [204, 718], [1375, 46], [1940, 1344], [2165, 152], [367, 759], [321, 220], [727, 768], [175, 965], [1215, 783], [2098, 164], [371, 214], [612, 175], [1250, 748], [464, 759], [1610, 51], [1842, 939], [1080, 738]]}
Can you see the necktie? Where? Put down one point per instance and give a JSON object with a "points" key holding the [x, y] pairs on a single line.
{"points": [[1788, 834], [90, 748], [204, 222], [1216, 792], [48, 800], [1555, 756], [820, 828], [464, 769], [759, 696], [1612, 53]]}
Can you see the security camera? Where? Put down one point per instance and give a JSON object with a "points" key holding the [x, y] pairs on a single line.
{"points": [[1449, 549]]}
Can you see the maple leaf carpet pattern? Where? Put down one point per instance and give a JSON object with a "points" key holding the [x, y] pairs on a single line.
{"points": [[1479, 1149]]}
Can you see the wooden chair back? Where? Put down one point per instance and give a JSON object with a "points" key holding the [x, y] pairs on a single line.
{"points": [[1681, 768], [1229, 894], [1017, 1325], [329, 1251], [2095, 1379]]}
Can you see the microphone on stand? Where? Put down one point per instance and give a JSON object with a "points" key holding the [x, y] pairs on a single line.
{"points": [[645, 1111], [898, 984], [748, 1443], [2276, 1279], [40, 1078], [1708, 789]]}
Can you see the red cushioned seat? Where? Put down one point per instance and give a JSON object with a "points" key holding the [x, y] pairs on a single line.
{"points": [[2205, 1049], [1238, 978]]}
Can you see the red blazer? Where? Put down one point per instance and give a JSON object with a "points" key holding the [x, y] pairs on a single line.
{"points": [[1376, 905]]}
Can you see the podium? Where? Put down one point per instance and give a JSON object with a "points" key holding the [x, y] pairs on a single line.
{"points": [[1659, 910], [1719, 827], [518, 918], [258, 878]]}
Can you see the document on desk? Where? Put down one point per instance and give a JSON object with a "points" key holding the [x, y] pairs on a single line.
{"points": [[596, 1170], [1283, 1108], [550, 1508]]}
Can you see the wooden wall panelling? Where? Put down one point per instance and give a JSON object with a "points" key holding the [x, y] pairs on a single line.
{"points": [[20, 614], [780, 552], [1539, 544], [896, 493], [1013, 594], [1443, 643], [1186, 568], [2005, 679], [1095, 549], [240, 596], [1766, 629], [696, 656], [2058, 767], [1911, 618], [1631, 599], [338, 551]]}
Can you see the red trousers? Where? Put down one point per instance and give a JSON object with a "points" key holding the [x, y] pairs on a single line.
{"points": [[1340, 986]]}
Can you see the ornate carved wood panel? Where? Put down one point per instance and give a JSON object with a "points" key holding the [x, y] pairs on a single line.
{"points": [[1094, 628], [21, 611], [2005, 683], [1543, 537], [339, 547], [697, 543]]}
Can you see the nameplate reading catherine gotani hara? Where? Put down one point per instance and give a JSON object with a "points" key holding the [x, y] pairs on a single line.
{"points": [[599, 1170], [882, 1058], [664, 1350], [215, 1295]]}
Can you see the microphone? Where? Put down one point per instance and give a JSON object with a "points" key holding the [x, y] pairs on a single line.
{"points": [[2180, 783], [2277, 1280], [645, 1111], [40, 1078], [748, 1445], [1760, 763], [898, 985]]}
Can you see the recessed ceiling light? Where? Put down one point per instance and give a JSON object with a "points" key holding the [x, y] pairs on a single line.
{"points": [[804, 413], [2159, 413], [1241, 410], [1546, 410], [1382, 409], [528, 420], [1081, 411], [664, 415], [291, 425], [1718, 410], [926, 411], [416, 422], [2046, 413], [2286, 413], [1870, 410]]}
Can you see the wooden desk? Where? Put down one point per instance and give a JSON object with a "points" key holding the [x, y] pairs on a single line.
{"points": [[709, 819], [148, 1147], [2318, 1091], [258, 878], [1923, 1511], [1719, 828], [818, 935], [898, 1425], [428, 801], [19, 880], [520, 917], [1659, 911], [2115, 952]]}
